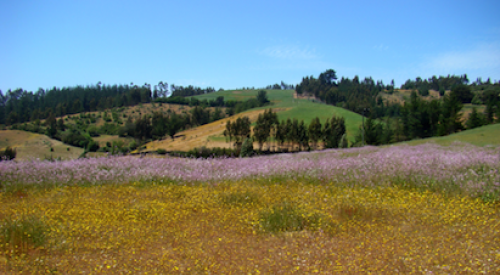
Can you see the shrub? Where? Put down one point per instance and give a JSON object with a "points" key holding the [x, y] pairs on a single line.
{"points": [[441, 91], [75, 138], [285, 217], [247, 148], [239, 198], [161, 151], [8, 154], [93, 146], [476, 100], [22, 234], [133, 145]]}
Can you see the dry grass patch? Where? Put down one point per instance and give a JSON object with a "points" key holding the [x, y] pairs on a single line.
{"points": [[35, 146]]}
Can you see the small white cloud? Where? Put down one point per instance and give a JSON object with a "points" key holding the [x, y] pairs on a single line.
{"points": [[289, 52], [482, 57], [381, 47]]}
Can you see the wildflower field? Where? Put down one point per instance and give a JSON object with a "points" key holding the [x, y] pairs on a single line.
{"points": [[419, 209]]}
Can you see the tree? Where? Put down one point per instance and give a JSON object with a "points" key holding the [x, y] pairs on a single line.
{"points": [[159, 125], [328, 77], [246, 148], [462, 93], [239, 130], [450, 117], [314, 131], [475, 120], [174, 124], [51, 124], [143, 128], [261, 131], [262, 97], [60, 125], [333, 132]]}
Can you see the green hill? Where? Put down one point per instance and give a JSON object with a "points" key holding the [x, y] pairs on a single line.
{"points": [[482, 136], [288, 107]]}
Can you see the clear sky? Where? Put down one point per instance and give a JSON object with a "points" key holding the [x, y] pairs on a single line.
{"points": [[233, 44]]}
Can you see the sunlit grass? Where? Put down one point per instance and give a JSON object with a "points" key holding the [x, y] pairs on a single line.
{"points": [[246, 226]]}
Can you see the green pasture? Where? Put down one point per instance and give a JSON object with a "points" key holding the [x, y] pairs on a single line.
{"points": [[242, 95], [482, 136], [300, 109]]}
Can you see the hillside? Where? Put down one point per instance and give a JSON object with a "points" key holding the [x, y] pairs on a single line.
{"points": [[483, 136], [287, 106], [35, 146], [400, 96], [284, 104]]}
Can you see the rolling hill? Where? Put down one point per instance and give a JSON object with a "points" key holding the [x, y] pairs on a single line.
{"points": [[35, 146], [284, 103]]}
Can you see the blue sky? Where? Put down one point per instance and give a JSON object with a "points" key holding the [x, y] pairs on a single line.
{"points": [[233, 44]]}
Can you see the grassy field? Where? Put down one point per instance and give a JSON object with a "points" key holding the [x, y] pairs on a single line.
{"points": [[401, 209], [482, 136], [35, 146], [288, 107]]}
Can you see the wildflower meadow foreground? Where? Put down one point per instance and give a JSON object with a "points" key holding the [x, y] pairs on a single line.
{"points": [[410, 209]]}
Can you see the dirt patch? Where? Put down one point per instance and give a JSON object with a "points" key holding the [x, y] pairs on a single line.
{"points": [[305, 96]]}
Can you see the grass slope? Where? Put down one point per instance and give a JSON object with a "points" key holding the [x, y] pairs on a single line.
{"points": [[482, 136], [289, 107], [35, 146]]}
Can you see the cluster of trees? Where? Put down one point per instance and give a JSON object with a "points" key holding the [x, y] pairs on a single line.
{"points": [[288, 135], [193, 101], [434, 83], [232, 107], [190, 90], [281, 86], [355, 95], [417, 118], [421, 118], [19, 106]]}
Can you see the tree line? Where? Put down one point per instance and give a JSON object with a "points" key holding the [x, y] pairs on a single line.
{"points": [[19, 106], [417, 118], [286, 135]]}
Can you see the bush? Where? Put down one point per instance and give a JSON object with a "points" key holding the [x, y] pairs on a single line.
{"points": [[22, 234], [75, 138], [8, 154], [161, 151], [239, 198], [441, 91], [133, 145], [476, 100], [285, 217], [423, 91], [93, 146]]}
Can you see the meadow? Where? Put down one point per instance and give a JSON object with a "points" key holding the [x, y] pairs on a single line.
{"points": [[411, 209]]}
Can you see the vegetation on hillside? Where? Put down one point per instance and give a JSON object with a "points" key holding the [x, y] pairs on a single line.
{"points": [[420, 116]]}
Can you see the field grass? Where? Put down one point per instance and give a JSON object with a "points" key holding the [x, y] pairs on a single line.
{"points": [[399, 209], [247, 227], [35, 146], [242, 95], [488, 135]]}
